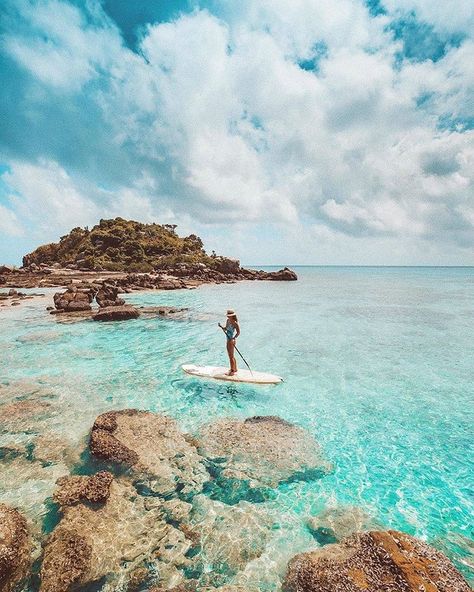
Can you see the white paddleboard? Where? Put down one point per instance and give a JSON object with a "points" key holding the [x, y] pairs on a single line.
{"points": [[219, 373]]}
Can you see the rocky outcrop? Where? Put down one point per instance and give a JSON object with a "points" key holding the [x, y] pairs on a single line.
{"points": [[15, 548], [74, 299], [110, 542], [108, 296], [261, 451], [117, 313], [161, 458], [375, 561], [283, 275]]}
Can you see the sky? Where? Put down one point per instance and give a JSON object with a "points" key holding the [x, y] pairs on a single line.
{"points": [[280, 131]]}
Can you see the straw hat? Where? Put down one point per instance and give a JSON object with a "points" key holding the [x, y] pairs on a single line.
{"points": [[231, 313]]}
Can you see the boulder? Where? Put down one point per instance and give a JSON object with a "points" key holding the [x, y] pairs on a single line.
{"points": [[261, 451], [73, 300], [161, 458], [15, 548], [374, 561], [117, 313], [74, 489], [109, 542], [226, 266], [6, 269], [282, 275], [107, 295]]}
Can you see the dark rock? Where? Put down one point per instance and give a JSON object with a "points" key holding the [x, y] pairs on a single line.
{"points": [[282, 275], [6, 269], [75, 489], [67, 558], [374, 561], [107, 295], [117, 313], [73, 299], [226, 266], [15, 548]]}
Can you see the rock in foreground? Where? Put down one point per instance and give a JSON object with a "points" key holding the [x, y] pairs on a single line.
{"points": [[15, 548], [262, 451], [376, 561], [153, 446], [109, 541]]}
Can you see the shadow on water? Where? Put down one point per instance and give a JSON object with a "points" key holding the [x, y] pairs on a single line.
{"points": [[200, 391]]}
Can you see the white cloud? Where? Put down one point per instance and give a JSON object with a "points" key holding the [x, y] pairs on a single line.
{"points": [[218, 122], [9, 223]]}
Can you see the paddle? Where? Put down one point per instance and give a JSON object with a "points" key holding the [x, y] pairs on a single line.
{"points": [[237, 350]]}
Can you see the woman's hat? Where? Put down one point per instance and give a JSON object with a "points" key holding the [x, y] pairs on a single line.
{"points": [[231, 313]]}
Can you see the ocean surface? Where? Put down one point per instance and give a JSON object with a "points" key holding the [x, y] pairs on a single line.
{"points": [[378, 364]]}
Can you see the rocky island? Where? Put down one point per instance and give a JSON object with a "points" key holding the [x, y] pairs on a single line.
{"points": [[131, 255]]}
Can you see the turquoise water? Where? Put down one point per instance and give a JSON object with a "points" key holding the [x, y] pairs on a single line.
{"points": [[378, 365]]}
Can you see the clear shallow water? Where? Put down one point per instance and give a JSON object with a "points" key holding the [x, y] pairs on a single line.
{"points": [[378, 365]]}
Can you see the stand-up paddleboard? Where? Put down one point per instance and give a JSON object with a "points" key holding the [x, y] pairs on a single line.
{"points": [[219, 373]]}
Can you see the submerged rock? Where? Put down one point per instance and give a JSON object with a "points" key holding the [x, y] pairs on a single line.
{"points": [[335, 524], [374, 562], [230, 537], [23, 415], [15, 548], [110, 542], [261, 451], [160, 456], [117, 313]]}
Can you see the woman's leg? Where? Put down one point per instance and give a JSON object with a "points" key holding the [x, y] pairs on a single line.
{"points": [[230, 353]]}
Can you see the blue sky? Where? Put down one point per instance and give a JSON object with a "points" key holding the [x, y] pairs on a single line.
{"points": [[309, 131]]}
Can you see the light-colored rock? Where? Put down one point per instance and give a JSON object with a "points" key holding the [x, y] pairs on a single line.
{"points": [[375, 561], [230, 536], [263, 451], [23, 415], [28, 484], [153, 446], [111, 541], [337, 523]]}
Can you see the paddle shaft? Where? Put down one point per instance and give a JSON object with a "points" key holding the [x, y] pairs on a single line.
{"points": [[237, 350]]}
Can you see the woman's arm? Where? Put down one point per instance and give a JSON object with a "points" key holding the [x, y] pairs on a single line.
{"points": [[236, 325]]}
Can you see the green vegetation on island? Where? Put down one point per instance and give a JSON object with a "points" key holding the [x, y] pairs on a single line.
{"points": [[122, 245]]}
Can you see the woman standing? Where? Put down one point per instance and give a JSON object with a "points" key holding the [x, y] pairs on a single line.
{"points": [[232, 331]]}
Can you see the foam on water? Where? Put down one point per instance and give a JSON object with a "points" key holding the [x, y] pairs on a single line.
{"points": [[378, 365]]}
